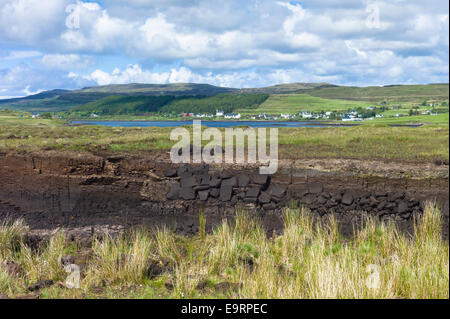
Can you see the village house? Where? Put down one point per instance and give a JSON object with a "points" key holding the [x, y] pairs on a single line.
{"points": [[305, 114], [219, 113], [235, 116], [263, 116]]}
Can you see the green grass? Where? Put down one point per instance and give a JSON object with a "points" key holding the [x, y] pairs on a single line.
{"points": [[294, 103], [377, 142], [374, 140], [375, 94], [307, 260], [430, 119], [12, 118]]}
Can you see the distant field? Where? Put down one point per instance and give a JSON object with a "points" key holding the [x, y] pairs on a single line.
{"points": [[294, 103], [400, 93], [12, 118], [435, 119], [374, 140]]}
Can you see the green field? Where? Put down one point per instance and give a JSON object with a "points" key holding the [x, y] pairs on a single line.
{"points": [[427, 119], [294, 103], [376, 94], [372, 140], [13, 118]]}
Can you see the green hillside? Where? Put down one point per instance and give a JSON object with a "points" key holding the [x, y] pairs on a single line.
{"points": [[392, 93], [225, 102], [178, 89], [136, 105], [293, 103], [118, 104], [191, 97], [287, 88]]}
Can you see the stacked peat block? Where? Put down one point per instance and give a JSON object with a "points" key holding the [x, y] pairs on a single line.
{"points": [[379, 203], [227, 187], [197, 183]]}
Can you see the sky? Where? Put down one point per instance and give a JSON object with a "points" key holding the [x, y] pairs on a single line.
{"points": [[70, 44]]}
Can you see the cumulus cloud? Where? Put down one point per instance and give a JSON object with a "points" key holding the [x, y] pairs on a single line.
{"points": [[232, 43], [22, 79], [136, 74], [67, 62]]}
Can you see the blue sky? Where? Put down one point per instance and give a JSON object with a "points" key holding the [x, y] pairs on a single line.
{"points": [[71, 44]]}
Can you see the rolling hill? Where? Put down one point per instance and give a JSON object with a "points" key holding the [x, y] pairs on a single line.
{"points": [[283, 96], [138, 105]]}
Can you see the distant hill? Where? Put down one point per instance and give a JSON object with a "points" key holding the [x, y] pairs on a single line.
{"points": [[287, 88], [64, 100], [176, 89], [394, 93], [137, 105], [120, 104]]}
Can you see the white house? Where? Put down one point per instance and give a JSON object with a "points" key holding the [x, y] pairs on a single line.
{"points": [[305, 114], [285, 116], [235, 116], [219, 113]]}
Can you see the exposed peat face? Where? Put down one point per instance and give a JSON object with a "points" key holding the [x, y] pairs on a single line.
{"points": [[88, 194]]}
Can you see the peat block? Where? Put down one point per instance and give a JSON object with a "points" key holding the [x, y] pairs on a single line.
{"points": [[315, 188]]}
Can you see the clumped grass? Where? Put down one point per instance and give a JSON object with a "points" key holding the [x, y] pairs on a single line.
{"points": [[120, 260], [11, 236], [309, 259], [202, 224], [46, 263]]}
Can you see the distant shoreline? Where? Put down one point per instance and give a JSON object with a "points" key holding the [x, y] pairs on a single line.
{"points": [[233, 123]]}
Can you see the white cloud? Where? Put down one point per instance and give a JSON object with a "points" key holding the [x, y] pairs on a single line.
{"points": [[233, 43], [67, 61], [20, 55], [27, 91], [30, 20]]}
